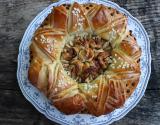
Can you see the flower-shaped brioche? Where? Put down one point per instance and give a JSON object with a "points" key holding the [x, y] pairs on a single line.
{"points": [[84, 59]]}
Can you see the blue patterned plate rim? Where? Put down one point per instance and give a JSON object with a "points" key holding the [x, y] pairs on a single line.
{"points": [[45, 108]]}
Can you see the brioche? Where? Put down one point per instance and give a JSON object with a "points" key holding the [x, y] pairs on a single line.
{"points": [[84, 59]]}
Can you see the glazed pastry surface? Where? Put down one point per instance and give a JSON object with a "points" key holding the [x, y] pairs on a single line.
{"points": [[84, 59]]}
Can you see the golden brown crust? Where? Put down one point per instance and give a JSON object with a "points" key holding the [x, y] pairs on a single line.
{"points": [[109, 24], [100, 18], [121, 66], [130, 47], [49, 41], [70, 105], [60, 18], [34, 69], [57, 19], [59, 82], [77, 20], [37, 74]]}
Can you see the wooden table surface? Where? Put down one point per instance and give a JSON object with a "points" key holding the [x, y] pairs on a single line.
{"points": [[15, 16]]}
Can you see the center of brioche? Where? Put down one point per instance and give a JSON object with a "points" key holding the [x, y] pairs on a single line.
{"points": [[85, 58]]}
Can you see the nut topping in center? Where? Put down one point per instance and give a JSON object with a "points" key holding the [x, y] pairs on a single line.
{"points": [[86, 58]]}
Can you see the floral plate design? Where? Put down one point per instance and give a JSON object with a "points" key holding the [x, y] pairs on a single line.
{"points": [[42, 104]]}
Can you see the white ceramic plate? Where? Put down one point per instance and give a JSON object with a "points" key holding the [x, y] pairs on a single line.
{"points": [[42, 104]]}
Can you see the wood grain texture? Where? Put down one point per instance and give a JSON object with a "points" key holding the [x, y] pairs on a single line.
{"points": [[15, 16], [15, 110]]}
